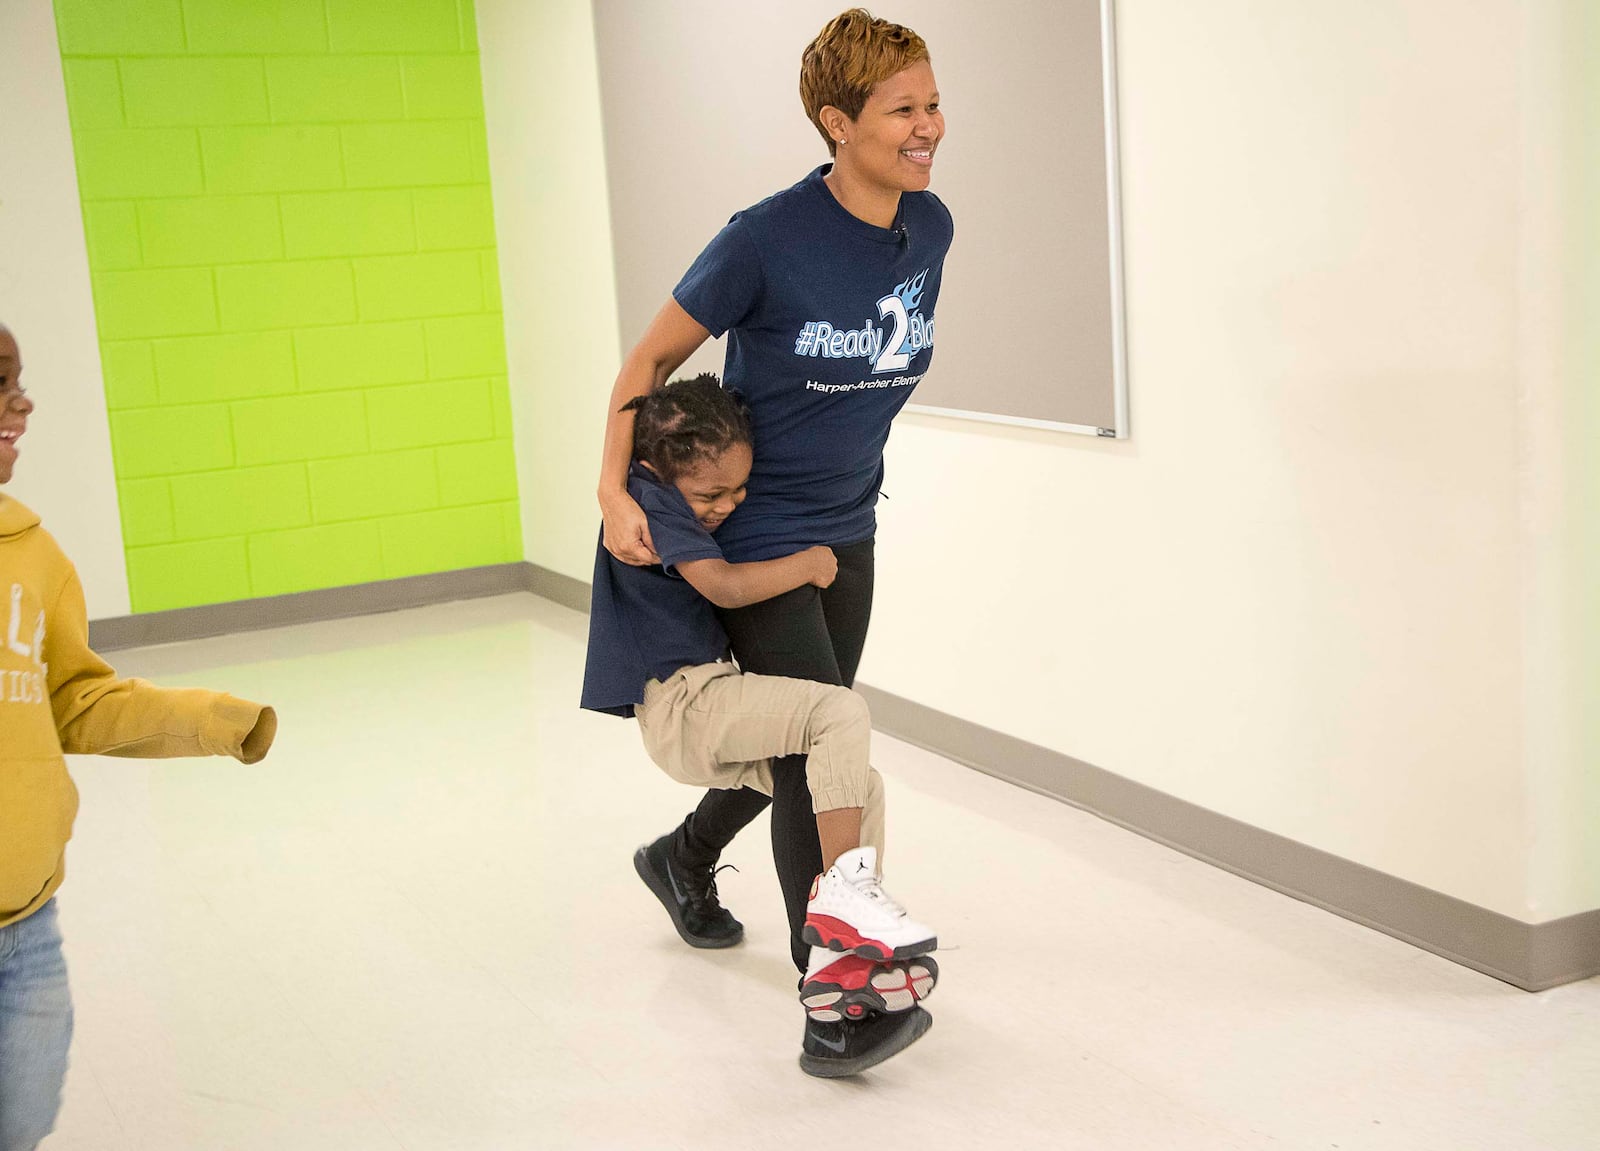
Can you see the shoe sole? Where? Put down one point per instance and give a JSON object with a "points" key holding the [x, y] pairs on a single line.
{"points": [[888, 992], [658, 887], [835, 935], [917, 1026]]}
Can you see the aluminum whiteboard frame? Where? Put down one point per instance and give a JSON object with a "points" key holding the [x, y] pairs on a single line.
{"points": [[1119, 326]]}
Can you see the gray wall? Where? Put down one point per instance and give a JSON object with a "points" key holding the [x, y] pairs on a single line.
{"points": [[702, 117]]}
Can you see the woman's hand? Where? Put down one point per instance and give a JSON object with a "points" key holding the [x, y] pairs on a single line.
{"points": [[627, 532], [825, 565], [670, 339]]}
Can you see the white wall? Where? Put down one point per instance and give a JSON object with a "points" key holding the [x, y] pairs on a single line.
{"points": [[65, 472], [1559, 404], [1340, 583], [1346, 570], [1319, 609], [547, 168]]}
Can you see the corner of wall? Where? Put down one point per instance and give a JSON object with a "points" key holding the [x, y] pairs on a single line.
{"points": [[547, 166], [66, 473], [1561, 413]]}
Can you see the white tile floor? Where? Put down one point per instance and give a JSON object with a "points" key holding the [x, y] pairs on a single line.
{"points": [[416, 926]]}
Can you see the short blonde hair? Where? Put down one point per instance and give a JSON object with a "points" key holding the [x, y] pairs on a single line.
{"points": [[851, 56]]}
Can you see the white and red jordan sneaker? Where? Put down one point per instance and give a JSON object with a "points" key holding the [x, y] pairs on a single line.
{"points": [[850, 911], [851, 987]]}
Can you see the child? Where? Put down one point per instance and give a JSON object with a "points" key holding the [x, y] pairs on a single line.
{"points": [[57, 696], [657, 652]]}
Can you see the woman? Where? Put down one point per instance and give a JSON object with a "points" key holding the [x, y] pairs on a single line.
{"points": [[827, 292]]}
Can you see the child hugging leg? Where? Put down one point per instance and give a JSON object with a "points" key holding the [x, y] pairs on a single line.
{"points": [[706, 725], [658, 652]]}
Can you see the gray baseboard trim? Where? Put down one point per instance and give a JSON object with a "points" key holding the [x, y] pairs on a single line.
{"points": [[1533, 957], [188, 623], [563, 589]]}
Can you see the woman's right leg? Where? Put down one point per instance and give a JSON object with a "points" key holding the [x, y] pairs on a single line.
{"points": [[711, 726], [710, 827]]}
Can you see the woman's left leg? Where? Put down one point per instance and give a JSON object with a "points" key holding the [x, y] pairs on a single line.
{"points": [[846, 612], [808, 634]]}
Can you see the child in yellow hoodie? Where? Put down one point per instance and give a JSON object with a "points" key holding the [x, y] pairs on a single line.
{"points": [[57, 696]]}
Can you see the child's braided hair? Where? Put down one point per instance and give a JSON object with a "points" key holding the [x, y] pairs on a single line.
{"points": [[678, 424]]}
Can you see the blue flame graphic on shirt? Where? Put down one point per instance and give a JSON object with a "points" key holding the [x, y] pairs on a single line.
{"points": [[910, 291], [889, 342]]}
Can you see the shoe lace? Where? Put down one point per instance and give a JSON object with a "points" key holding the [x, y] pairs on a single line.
{"points": [[704, 893], [872, 888]]}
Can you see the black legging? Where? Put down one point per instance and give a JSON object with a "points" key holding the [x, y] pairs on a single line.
{"points": [[809, 633]]}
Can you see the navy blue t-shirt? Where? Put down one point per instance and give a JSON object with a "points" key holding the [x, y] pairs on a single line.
{"points": [[830, 323], [647, 622]]}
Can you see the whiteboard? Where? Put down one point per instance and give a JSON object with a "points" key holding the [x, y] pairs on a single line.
{"points": [[702, 115]]}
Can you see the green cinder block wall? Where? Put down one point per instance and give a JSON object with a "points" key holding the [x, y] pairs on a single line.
{"points": [[293, 255]]}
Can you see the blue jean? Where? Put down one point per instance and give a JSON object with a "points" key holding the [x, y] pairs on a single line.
{"points": [[35, 1028]]}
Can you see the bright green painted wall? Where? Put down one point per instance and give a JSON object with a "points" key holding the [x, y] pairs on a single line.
{"points": [[292, 245]]}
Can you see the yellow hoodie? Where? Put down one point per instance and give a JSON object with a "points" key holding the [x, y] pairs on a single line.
{"points": [[57, 696]]}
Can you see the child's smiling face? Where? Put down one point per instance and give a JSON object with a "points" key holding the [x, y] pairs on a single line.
{"points": [[714, 486], [15, 406]]}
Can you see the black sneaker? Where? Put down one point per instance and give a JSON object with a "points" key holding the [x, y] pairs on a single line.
{"points": [[849, 1047], [689, 894]]}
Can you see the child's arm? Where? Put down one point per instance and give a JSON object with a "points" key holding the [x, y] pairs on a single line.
{"points": [[731, 585], [98, 713]]}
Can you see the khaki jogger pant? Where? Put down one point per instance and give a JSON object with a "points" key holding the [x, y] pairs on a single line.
{"points": [[710, 725]]}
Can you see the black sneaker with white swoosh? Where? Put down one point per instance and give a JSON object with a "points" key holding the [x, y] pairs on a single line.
{"points": [[689, 894], [849, 1047]]}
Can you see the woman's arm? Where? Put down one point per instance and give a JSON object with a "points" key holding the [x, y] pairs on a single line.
{"points": [[731, 585], [671, 338]]}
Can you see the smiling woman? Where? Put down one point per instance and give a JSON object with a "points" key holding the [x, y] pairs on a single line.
{"points": [[827, 292], [888, 132]]}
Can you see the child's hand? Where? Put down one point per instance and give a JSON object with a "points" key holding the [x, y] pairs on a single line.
{"points": [[824, 565]]}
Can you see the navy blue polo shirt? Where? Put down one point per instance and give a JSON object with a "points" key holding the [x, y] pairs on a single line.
{"points": [[831, 326], [647, 622]]}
